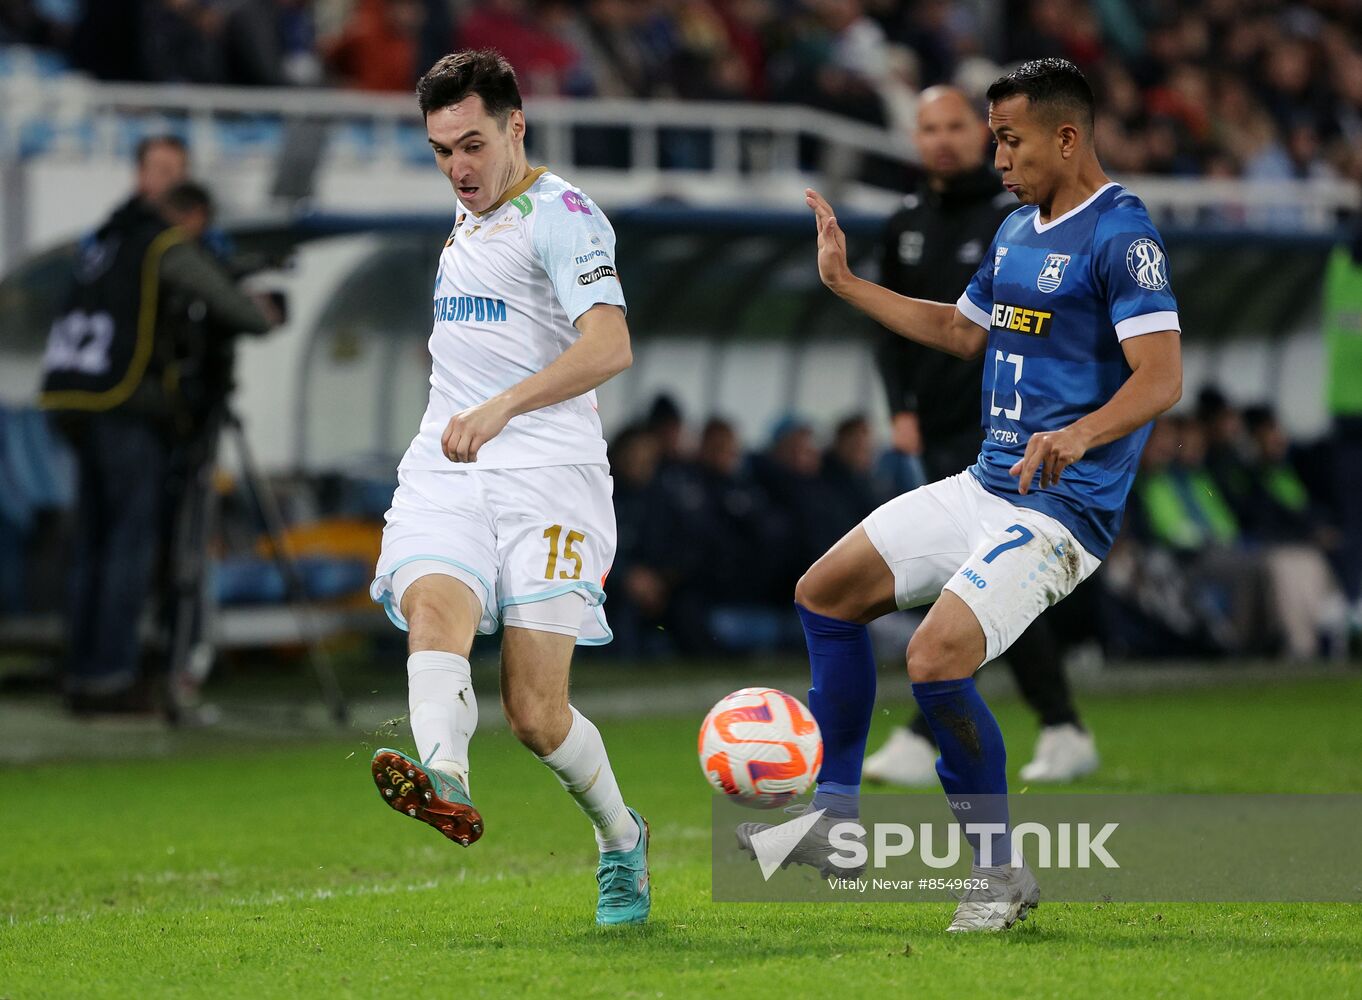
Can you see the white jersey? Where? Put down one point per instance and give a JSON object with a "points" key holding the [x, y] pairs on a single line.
{"points": [[511, 284]]}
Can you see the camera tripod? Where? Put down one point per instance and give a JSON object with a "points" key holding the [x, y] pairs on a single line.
{"points": [[191, 654]]}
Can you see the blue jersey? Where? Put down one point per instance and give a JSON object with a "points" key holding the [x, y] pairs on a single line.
{"points": [[1057, 299]]}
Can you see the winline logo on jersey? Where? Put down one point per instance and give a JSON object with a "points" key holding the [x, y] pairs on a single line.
{"points": [[1167, 848]]}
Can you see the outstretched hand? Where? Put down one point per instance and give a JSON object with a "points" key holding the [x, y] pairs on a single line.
{"points": [[832, 242]]}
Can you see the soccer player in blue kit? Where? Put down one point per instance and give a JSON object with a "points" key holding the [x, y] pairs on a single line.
{"points": [[1072, 311]]}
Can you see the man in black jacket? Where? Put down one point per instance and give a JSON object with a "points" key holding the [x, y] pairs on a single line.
{"points": [[932, 247], [112, 380]]}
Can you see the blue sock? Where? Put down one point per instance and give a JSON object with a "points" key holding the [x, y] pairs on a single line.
{"points": [[973, 762], [842, 698]]}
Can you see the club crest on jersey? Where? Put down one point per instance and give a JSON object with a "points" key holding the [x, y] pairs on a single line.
{"points": [[1052, 273], [1147, 264], [998, 256]]}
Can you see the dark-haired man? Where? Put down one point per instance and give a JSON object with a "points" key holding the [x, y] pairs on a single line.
{"points": [[933, 246], [1072, 312], [502, 515]]}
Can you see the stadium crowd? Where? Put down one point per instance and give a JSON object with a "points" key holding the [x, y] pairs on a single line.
{"points": [[1229, 545], [1253, 88]]}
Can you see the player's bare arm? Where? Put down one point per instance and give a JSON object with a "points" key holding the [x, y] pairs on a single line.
{"points": [[936, 324], [1155, 384], [600, 353]]}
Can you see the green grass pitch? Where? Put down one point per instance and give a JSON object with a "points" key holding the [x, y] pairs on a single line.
{"points": [[277, 871]]}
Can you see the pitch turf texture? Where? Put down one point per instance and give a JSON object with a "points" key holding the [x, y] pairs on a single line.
{"points": [[277, 871]]}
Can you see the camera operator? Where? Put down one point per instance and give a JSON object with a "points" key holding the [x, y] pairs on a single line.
{"points": [[146, 298]]}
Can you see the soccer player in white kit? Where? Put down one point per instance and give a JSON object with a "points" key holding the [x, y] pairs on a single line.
{"points": [[503, 512]]}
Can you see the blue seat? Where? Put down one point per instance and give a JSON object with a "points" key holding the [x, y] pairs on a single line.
{"points": [[257, 580], [250, 135]]}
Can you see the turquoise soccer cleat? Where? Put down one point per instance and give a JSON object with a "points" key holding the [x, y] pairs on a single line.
{"points": [[626, 895], [426, 794]]}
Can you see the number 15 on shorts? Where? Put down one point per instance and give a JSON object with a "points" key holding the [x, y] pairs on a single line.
{"points": [[554, 534]]}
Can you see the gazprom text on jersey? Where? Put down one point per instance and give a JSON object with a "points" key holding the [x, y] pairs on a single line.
{"points": [[462, 308]]}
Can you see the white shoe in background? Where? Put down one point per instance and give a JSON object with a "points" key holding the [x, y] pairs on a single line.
{"points": [[1063, 753], [906, 759]]}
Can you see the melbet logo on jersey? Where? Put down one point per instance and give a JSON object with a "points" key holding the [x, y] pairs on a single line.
{"points": [[469, 309], [1019, 319]]}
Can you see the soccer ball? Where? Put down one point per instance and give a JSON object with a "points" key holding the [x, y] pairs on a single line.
{"points": [[760, 747]]}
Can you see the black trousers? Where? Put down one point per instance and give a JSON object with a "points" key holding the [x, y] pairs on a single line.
{"points": [[1347, 459], [1034, 658], [122, 462]]}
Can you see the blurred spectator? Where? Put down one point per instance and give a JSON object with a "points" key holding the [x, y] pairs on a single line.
{"points": [[1290, 524], [107, 42], [789, 471], [25, 22], [377, 50], [637, 586], [1342, 324], [1278, 95], [268, 43], [837, 62], [667, 425], [178, 43], [543, 63], [1228, 451], [849, 475], [1220, 597], [619, 59], [735, 523]]}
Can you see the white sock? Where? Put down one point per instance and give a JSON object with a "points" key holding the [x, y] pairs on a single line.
{"points": [[584, 770], [444, 712]]}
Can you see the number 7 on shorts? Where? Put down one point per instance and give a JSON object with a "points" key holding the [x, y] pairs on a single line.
{"points": [[1024, 535]]}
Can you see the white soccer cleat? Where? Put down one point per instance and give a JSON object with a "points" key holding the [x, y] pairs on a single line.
{"points": [[1063, 753], [779, 845], [906, 759], [1011, 894]]}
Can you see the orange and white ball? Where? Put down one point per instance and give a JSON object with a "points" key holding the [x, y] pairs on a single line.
{"points": [[760, 747]]}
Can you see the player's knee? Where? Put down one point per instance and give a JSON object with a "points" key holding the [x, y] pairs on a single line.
{"points": [[816, 592], [432, 621], [934, 655], [539, 727]]}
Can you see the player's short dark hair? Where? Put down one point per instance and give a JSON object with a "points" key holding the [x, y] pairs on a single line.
{"points": [[484, 72], [146, 145], [1055, 86], [188, 197]]}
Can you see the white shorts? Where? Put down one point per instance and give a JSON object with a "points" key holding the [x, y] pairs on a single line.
{"points": [[1008, 563], [514, 536]]}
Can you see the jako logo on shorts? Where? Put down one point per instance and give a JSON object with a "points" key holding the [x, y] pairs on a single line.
{"points": [[974, 578], [469, 308]]}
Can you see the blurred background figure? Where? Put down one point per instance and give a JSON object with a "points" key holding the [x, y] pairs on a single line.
{"points": [[111, 381]]}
